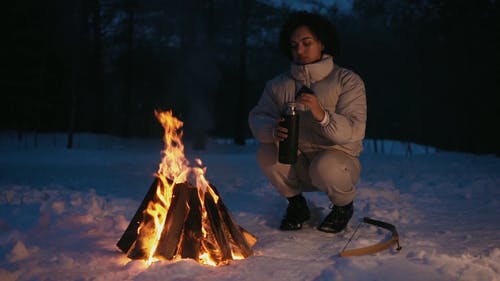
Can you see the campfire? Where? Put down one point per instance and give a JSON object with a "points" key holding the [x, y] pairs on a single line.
{"points": [[182, 215]]}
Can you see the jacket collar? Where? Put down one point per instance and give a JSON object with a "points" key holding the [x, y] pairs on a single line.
{"points": [[313, 72]]}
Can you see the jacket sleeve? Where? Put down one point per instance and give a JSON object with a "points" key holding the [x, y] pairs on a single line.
{"points": [[263, 118], [348, 122]]}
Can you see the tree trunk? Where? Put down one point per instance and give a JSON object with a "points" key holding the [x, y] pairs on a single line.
{"points": [[241, 103], [100, 120], [77, 67], [129, 76]]}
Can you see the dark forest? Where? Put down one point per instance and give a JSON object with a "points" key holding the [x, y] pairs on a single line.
{"points": [[431, 67]]}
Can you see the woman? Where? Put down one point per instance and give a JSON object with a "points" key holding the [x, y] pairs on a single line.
{"points": [[331, 129]]}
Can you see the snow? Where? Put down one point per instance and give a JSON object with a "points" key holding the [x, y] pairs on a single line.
{"points": [[62, 212]]}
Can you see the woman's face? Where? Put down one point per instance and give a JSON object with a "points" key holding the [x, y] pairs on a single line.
{"points": [[304, 46]]}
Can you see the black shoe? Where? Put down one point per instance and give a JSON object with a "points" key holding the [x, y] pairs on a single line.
{"points": [[338, 218], [297, 213]]}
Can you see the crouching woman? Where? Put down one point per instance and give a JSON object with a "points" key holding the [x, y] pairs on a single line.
{"points": [[332, 123]]}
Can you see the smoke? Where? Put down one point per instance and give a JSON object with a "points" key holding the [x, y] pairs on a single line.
{"points": [[193, 85]]}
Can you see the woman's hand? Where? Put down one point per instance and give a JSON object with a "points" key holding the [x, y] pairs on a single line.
{"points": [[311, 102], [280, 133]]}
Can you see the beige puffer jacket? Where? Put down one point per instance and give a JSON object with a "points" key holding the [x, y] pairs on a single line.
{"points": [[340, 91]]}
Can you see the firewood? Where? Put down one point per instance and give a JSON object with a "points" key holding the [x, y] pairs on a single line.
{"points": [[191, 227], [130, 234], [174, 223]]}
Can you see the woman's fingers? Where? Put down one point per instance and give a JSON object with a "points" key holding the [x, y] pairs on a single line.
{"points": [[309, 100], [280, 133], [312, 104]]}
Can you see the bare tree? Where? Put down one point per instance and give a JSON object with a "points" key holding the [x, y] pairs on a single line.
{"points": [[78, 40], [99, 100], [241, 103], [129, 68]]}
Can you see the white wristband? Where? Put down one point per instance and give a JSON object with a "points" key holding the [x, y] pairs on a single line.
{"points": [[326, 119]]}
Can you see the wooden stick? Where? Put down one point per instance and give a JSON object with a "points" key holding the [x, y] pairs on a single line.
{"points": [[130, 234], [174, 223]]}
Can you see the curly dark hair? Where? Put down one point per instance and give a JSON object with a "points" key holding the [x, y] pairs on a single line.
{"points": [[320, 26]]}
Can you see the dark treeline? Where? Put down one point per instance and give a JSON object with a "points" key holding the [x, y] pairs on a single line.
{"points": [[431, 67]]}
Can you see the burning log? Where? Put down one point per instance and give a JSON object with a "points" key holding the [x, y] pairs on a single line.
{"points": [[178, 220], [182, 235]]}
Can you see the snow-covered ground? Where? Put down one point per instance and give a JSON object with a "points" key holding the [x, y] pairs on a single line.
{"points": [[62, 212]]}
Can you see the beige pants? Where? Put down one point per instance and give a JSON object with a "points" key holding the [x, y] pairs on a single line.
{"points": [[331, 171]]}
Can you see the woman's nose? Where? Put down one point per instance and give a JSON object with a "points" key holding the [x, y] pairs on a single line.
{"points": [[300, 49]]}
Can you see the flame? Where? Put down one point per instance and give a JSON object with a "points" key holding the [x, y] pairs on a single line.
{"points": [[174, 164], [207, 227], [175, 167], [236, 256], [205, 258], [158, 211]]}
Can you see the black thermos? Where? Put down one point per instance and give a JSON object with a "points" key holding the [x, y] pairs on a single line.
{"points": [[288, 147]]}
